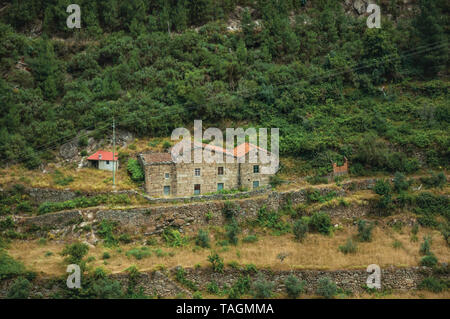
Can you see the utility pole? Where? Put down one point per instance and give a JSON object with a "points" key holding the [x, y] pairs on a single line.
{"points": [[114, 153]]}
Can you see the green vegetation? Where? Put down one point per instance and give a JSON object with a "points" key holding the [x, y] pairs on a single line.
{"points": [[300, 228], [314, 71], [429, 260], [139, 253], [10, 268], [75, 253], [365, 230], [106, 230], [82, 202], [321, 222], [349, 247], [273, 221], [294, 287], [180, 276], [240, 287], [216, 262], [202, 239], [20, 289], [135, 170], [326, 288], [173, 238], [434, 284], [262, 288]]}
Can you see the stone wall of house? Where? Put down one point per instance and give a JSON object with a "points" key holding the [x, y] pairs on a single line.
{"points": [[163, 284], [208, 179], [155, 179]]}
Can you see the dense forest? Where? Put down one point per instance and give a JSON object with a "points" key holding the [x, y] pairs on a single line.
{"points": [[332, 85]]}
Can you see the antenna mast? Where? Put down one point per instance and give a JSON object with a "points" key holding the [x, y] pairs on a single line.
{"points": [[114, 153]]}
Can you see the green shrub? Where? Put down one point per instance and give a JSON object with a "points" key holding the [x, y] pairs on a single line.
{"points": [[202, 239], [317, 179], [262, 288], [60, 179], [230, 210], [435, 180], [75, 252], [83, 141], [106, 231], [250, 239], [135, 170], [382, 187], [294, 287], [240, 287], [326, 288], [425, 247], [365, 230], [181, 278], [300, 229], [166, 145], [400, 182], [349, 247], [321, 222], [139, 253], [7, 223], [275, 181], [232, 231], [9, 267], [197, 295], [429, 260], [125, 238], [273, 221], [173, 238], [433, 284], [24, 207], [397, 244], [213, 288], [106, 255], [250, 269], [20, 289], [216, 262]]}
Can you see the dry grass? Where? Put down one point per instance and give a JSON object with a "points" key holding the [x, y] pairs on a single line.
{"points": [[85, 179], [317, 252]]}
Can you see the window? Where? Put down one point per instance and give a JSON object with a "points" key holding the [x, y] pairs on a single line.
{"points": [[255, 184], [220, 170], [197, 189], [197, 172], [219, 186], [166, 175], [107, 162], [166, 190], [255, 168]]}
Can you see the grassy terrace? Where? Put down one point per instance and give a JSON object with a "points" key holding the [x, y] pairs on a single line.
{"points": [[389, 247]]}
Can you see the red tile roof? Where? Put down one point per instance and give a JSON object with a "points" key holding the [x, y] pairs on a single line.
{"points": [[244, 148], [102, 156]]}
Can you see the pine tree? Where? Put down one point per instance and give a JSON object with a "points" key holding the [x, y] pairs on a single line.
{"points": [[430, 33]]}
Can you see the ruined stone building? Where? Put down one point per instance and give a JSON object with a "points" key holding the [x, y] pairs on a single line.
{"points": [[165, 177]]}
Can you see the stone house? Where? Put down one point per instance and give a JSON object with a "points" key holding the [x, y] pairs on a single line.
{"points": [[164, 177]]}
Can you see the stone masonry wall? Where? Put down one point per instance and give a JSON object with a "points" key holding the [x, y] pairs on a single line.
{"points": [[163, 284]]}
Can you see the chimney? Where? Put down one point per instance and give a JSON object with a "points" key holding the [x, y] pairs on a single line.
{"points": [[99, 156]]}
